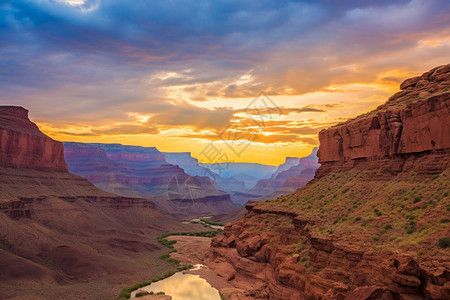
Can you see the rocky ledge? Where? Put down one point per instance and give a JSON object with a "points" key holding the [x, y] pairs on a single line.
{"points": [[293, 263]]}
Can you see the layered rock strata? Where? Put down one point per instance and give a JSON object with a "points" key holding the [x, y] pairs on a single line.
{"points": [[373, 222]]}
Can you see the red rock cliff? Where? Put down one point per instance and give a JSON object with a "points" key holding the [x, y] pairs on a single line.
{"points": [[23, 145], [392, 138], [347, 234]]}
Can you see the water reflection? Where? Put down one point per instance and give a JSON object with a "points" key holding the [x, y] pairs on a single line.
{"points": [[184, 287]]}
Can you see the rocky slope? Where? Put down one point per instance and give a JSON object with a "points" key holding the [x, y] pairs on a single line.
{"points": [[145, 172], [373, 224], [60, 236]]}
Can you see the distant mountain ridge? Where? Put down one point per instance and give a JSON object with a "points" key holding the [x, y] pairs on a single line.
{"points": [[144, 172], [241, 180], [290, 176]]}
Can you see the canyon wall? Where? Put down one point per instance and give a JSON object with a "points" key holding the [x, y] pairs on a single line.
{"points": [[392, 139], [373, 222], [23, 145], [291, 263]]}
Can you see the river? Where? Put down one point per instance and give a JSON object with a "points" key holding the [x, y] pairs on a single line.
{"points": [[182, 286]]}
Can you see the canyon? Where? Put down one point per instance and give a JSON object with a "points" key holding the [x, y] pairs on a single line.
{"points": [[167, 177], [61, 237], [293, 174], [144, 172], [372, 224], [365, 218]]}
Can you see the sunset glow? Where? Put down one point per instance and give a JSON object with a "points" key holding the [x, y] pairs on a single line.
{"points": [[178, 75]]}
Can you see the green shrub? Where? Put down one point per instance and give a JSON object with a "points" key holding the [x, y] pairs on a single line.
{"points": [[410, 227], [167, 258], [387, 227], [160, 293], [211, 223], [140, 294], [444, 242], [185, 267], [126, 291]]}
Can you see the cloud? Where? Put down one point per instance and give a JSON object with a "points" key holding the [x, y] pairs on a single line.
{"points": [[93, 63]]}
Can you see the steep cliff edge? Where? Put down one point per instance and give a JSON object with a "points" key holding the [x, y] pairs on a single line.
{"points": [[373, 224], [393, 138], [23, 145]]}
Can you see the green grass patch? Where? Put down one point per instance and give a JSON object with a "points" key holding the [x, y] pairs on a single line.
{"points": [[211, 223]]}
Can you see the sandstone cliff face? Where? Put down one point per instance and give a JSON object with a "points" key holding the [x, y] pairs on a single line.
{"points": [[413, 122], [23, 145], [188, 163], [370, 225]]}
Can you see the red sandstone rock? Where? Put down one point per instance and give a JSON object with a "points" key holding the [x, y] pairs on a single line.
{"points": [[366, 293], [23, 145], [396, 132]]}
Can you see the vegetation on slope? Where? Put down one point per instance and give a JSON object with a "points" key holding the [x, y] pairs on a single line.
{"points": [[405, 213]]}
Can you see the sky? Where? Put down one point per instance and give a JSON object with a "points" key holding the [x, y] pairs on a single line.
{"points": [[228, 80]]}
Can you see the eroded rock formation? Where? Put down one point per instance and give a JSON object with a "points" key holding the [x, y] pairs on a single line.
{"points": [[23, 145], [371, 225], [394, 138]]}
